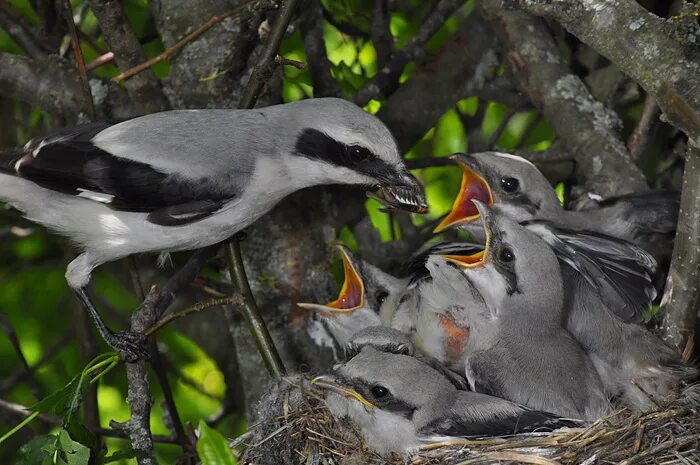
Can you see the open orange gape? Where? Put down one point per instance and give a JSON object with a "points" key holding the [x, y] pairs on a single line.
{"points": [[472, 187], [352, 294]]}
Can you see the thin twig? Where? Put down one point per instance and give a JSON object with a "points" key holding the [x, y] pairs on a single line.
{"points": [[14, 341], [182, 42], [100, 60], [639, 138], [79, 60], [235, 300]]}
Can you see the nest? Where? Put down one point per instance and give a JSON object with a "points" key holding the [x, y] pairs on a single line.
{"points": [[297, 427]]}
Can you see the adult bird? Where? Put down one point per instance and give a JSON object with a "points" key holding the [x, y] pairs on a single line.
{"points": [[400, 404], [524, 354], [181, 180], [513, 185], [365, 290], [608, 282]]}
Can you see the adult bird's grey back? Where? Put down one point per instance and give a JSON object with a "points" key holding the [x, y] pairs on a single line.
{"points": [[401, 403], [186, 179]]}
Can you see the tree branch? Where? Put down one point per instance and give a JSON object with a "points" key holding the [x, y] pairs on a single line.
{"points": [[386, 80], [465, 66], [21, 32], [316, 54], [655, 52], [681, 300], [588, 129], [639, 138], [53, 86], [144, 89]]}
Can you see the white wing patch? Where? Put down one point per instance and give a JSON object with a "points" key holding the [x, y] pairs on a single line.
{"points": [[96, 196]]}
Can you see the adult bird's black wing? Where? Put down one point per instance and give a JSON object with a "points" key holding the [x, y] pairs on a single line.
{"points": [[68, 162], [415, 267], [618, 270]]}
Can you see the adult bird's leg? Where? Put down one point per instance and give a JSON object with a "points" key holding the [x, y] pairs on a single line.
{"points": [[131, 346]]}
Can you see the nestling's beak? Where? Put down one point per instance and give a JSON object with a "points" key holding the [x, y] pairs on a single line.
{"points": [[404, 193], [352, 294], [477, 259], [472, 187], [330, 383]]}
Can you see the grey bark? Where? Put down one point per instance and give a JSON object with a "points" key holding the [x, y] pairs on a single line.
{"points": [[465, 66], [662, 55], [589, 130], [54, 86], [144, 89], [681, 300]]}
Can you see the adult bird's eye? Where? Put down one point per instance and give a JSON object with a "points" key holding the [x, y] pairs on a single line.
{"points": [[510, 185], [381, 296], [380, 391], [506, 255]]}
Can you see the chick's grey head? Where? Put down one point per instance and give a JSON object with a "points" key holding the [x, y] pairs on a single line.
{"points": [[360, 148], [392, 382], [365, 290], [517, 272], [508, 183]]}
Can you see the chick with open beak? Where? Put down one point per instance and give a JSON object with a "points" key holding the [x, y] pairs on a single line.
{"points": [[365, 290], [528, 357]]}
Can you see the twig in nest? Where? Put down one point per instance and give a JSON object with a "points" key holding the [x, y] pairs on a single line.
{"points": [[182, 42]]}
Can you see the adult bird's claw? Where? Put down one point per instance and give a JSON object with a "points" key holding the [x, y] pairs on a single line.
{"points": [[131, 346]]}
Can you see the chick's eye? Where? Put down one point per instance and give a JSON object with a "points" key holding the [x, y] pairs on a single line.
{"points": [[510, 185], [506, 255], [381, 296], [379, 391]]}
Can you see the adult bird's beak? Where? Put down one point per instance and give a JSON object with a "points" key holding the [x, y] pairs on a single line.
{"points": [[352, 294], [331, 384], [403, 193], [472, 187], [479, 258]]}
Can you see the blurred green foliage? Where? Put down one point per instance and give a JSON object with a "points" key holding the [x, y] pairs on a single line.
{"points": [[35, 298]]}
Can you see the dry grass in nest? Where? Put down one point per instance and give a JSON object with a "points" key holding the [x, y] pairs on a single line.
{"points": [[298, 428]]}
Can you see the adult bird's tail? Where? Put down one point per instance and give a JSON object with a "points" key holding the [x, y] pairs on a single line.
{"points": [[8, 158]]}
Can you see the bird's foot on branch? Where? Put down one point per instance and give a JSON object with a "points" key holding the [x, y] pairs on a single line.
{"points": [[131, 346]]}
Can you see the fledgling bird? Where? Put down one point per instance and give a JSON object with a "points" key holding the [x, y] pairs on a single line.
{"points": [[439, 310], [608, 282], [365, 289], [513, 185], [181, 180], [400, 403], [526, 356]]}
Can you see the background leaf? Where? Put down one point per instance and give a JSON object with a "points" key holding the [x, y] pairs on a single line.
{"points": [[213, 448]]}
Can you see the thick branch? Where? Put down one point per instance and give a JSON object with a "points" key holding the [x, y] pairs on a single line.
{"points": [[316, 54], [588, 129], [465, 66], [144, 88], [54, 87], [681, 300], [656, 52]]}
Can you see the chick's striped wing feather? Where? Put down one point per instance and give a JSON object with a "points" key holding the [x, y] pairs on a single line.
{"points": [[415, 267], [619, 271], [68, 162]]}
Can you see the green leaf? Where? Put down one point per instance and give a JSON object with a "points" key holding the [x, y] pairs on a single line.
{"points": [[73, 452], [213, 448], [65, 400], [38, 451], [121, 454]]}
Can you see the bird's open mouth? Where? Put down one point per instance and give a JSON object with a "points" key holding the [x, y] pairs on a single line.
{"points": [[472, 187], [479, 258], [329, 383], [352, 294], [400, 198]]}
